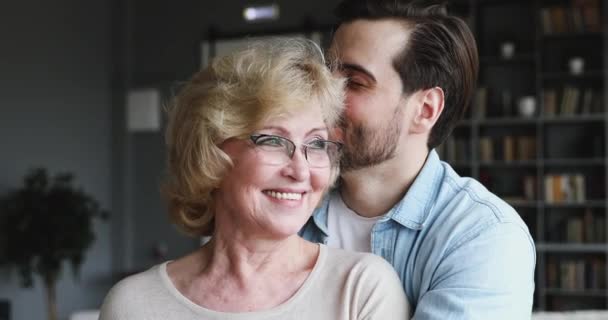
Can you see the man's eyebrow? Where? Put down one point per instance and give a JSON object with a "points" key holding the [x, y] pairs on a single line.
{"points": [[357, 68]]}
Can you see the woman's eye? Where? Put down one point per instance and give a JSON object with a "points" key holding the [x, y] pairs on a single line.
{"points": [[270, 141], [317, 144]]}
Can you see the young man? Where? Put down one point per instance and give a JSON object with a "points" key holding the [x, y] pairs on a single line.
{"points": [[461, 252]]}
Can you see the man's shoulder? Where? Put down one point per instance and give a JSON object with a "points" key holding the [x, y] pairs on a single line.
{"points": [[464, 208], [466, 196]]}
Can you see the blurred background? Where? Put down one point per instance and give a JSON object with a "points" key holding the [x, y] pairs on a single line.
{"points": [[82, 85]]}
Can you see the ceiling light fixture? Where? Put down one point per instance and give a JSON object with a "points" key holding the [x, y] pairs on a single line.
{"points": [[261, 13]]}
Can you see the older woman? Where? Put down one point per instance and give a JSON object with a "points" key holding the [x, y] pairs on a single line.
{"points": [[249, 160]]}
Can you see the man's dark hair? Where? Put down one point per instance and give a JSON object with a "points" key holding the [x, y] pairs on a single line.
{"points": [[441, 52]]}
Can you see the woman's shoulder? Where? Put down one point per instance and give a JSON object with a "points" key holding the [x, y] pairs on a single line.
{"points": [[370, 283], [131, 292], [369, 269], [147, 279]]}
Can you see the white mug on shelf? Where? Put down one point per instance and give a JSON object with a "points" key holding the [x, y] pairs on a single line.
{"points": [[526, 106], [507, 50], [576, 65]]}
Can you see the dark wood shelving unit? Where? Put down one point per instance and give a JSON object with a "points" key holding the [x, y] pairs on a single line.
{"points": [[550, 165]]}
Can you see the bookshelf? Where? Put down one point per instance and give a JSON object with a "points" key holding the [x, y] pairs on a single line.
{"points": [[549, 160]]}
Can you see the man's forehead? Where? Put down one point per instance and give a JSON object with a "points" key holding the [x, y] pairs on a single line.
{"points": [[372, 44], [372, 31]]}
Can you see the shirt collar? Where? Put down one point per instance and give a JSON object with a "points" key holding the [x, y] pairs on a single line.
{"points": [[413, 210], [320, 215]]}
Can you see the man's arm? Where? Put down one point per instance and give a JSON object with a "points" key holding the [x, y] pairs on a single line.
{"points": [[485, 276]]}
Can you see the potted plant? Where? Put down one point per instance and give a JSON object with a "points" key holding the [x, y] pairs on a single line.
{"points": [[43, 224]]}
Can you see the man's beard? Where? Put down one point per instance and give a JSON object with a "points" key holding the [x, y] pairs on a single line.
{"points": [[365, 147]]}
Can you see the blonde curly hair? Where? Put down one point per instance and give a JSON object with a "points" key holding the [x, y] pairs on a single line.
{"points": [[233, 97]]}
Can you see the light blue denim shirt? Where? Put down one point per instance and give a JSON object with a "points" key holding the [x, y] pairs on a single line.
{"points": [[460, 251]]}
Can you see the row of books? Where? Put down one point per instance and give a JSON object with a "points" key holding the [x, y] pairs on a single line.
{"points": [[480, 101], [513, 194], [568, 100], [529, 187], [584, 229], [560, 188], [501, 103], [577, 17], [571, 274], [507, 148], [571, 100]]}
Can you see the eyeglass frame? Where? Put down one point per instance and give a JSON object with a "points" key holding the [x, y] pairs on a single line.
{"points": [[290, 151]]}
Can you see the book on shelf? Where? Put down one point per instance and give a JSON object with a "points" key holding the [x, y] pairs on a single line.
{"points": [[578, 16], [558, 19], [597, 102], [586, 273], [595, 231], [589, 11], [529, 188], [571, 100], [576, 228], [523, 194], [486, 149], [563, 101], [508, 144], [565, 188], [572, 275], [587, 101], [526, 147], [596, 274], [593, 228], [551, 272], [480, 102], [545, 18], [549, 102], [512, 148], [589, 234]]}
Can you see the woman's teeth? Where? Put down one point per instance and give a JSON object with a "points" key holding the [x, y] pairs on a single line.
{"points": [[284, 195]]}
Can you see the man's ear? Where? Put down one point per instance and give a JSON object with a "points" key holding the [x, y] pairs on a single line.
{"points": [[429, 106]]}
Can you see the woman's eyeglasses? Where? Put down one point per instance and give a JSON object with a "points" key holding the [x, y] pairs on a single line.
{"points": [[279, 150]]}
